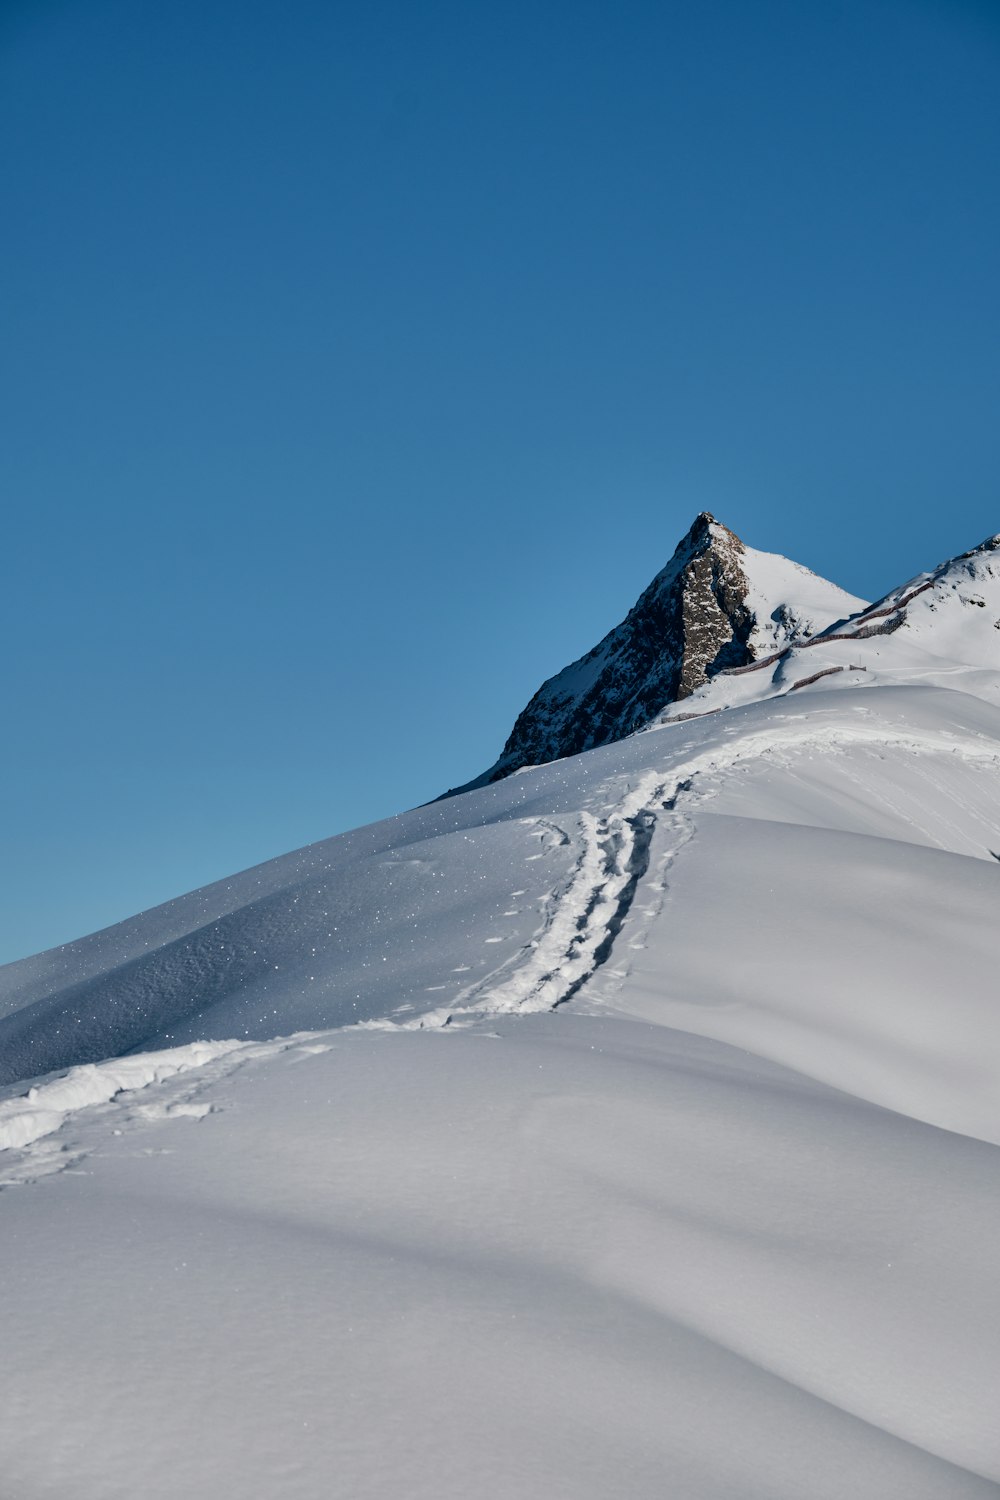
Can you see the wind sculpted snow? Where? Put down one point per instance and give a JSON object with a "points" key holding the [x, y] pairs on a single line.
{"points": [[557, 1255]]}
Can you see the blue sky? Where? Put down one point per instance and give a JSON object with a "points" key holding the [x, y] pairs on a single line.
{"points": [[361, 364]]}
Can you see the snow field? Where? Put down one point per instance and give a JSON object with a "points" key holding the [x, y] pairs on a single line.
{"points": [[722, 1225], [572, 1257]]}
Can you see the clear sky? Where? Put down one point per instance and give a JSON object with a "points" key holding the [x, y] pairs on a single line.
{"points": [[362, 362]]}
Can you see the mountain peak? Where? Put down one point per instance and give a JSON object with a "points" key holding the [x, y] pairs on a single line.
{"points": [[716, 605], [705, 531], [701, 526]]}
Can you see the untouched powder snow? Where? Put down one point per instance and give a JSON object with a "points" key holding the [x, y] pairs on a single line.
{"points": [[560, 1256], [789, 602], [628, 1126]]}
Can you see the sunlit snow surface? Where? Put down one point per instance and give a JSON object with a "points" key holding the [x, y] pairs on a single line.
{"points": [[721, 1224]]}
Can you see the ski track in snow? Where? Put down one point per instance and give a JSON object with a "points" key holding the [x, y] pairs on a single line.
{"points": [[579, 935], [580, 926]]}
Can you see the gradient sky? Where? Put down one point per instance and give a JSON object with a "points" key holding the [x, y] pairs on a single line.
{"points": [[362, 363]]}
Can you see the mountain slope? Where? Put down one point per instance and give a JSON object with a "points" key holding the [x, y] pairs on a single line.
{"points": [[639, 1131]]}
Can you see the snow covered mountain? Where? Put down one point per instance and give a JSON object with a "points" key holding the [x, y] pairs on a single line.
{"points": [[717, 605], [630, 1125]]}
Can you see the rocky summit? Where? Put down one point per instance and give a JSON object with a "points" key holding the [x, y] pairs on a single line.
{"points": [[718, 604]]}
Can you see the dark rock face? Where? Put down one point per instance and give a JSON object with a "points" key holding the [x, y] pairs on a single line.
{"points": [[691, 622]]}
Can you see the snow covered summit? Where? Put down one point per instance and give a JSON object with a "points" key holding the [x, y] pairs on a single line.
{"points": [[718, 604]]}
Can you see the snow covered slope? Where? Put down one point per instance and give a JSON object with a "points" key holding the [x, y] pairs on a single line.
{"points": [[717, 604], [630, 1125]]}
